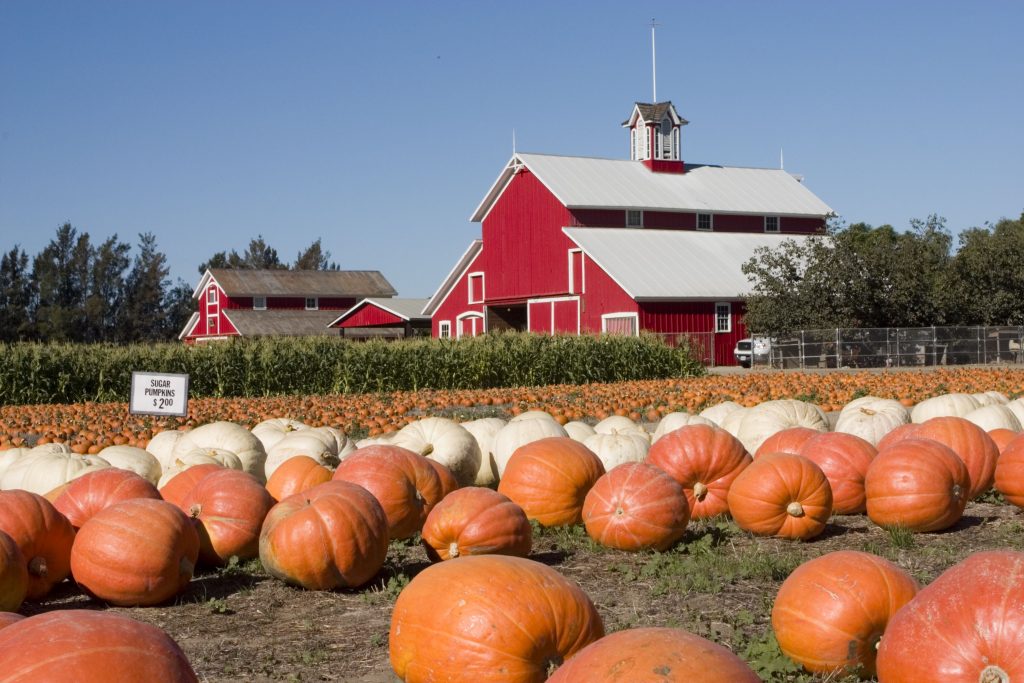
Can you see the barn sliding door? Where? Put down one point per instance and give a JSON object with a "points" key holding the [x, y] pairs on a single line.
{"points": [[557, 315]]}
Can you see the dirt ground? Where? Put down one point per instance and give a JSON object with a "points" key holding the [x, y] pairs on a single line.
{"points": [[239, 624]]}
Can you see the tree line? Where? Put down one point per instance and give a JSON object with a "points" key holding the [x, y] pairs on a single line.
{"points": [[863, 276], [75, 290]]}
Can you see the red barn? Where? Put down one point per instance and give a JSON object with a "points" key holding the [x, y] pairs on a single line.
{"points": [[589, 245], [246, 303], [391, 318]]}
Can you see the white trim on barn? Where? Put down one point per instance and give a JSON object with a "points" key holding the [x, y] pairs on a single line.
{"points": [[470, 315], [552, 300], [481, 296], [444, 329], [189, 326], [572, 272], [634, 316], [448, 284]]}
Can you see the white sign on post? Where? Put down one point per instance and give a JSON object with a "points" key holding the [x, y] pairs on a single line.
{"points": [[158, 394]]}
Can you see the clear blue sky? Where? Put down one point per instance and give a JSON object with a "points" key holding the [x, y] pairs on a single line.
{"points": [[379, 126]]}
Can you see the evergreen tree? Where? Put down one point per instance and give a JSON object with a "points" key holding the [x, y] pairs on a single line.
{"points": [[60, 274], [314, 258], [15, 296], [178, 307], [106, 290], [142, 317], [261, 255]]}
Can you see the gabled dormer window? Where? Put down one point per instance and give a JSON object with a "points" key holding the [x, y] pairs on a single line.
{"points": [[312, 303], [634, 219], [211, 295], [259, 303]]}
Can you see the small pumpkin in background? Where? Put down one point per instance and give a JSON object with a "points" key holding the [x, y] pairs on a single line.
{"points": [[295, 475], [84, 497], [636, 506], [43, 535], [476, 521], [831, 612], [549, 478], [13, 575], [781, 495]]}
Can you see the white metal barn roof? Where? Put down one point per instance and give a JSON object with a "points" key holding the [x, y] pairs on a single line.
{"points": [[656, 265], [588, 182]]}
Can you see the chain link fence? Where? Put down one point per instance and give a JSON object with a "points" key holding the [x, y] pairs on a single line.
{"points": [[893, 347]]}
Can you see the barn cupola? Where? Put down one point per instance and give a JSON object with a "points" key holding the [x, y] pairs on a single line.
{"points": [[654, 132]]}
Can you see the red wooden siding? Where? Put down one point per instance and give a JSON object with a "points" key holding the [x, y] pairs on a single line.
{"points": [[695, 316], [469, 326], [539, 313], [206, 309], [567, 316], [454, 303], [369, 315], [675, 220], [603, 295], [555, 316], [292, 302]]}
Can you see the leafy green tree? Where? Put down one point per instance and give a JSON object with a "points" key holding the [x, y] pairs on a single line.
{"points": [[986, 276], [106, 290], [178, 307], [15, 296], [314, 258], [60, 274]]}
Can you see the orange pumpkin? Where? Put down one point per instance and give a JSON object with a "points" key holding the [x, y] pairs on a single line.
{"points": [[492, 617], [781, 495], [229, 507], [295, 475], [969, 441], [448, 481], [137, 552], [789, 440], [13, 575], [636, 506], [966, 626], [180, 484], [831, 611], [8, 618], [43, 535], [1010, 472], [404, 483], [919, 484], [334, 535], [89, 646], [476, 521], [92, 492], [654, 654], [904, 431], [844, 458], [705, 460], [549, 478], [1002, 437]]}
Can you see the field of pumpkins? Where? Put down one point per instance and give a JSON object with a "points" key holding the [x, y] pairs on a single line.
{"points": [[743, 527]]}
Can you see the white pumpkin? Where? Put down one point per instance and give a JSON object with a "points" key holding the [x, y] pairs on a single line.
{"points": [[732, 421], [161, 446], [137, 460], [200, 456], [615, 449], [484, 430], [988, 398], [871, 418], [7, 458], [444, 441], [320, 443], [58, 448], [342, 444], [770, 417], [620, 424], [41, 472], [718, 412], [994, 416], [227, 436], [385, 439], [269, 432], [533, 415], [579, 430], [673, 421], [1016, 407], [956, 405], [515, 434]]}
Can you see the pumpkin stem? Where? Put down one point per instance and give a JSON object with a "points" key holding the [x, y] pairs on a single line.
{"points": [[619, 512], [37, 566], [868, 411], [993, 674], [453, 549], [195, 510], [700, 491], [552, 664], [428, 449], [958, 491], [795, 509]]}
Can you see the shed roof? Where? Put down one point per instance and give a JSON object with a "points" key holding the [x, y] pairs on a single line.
{"points": [[281, 322], [325, 283], [406, 309], [674, 264]]}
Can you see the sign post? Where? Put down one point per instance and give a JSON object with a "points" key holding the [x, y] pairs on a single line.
{"points": [[159, 394]]}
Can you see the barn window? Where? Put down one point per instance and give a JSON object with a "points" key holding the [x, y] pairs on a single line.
{"points": [[211, 324], [211, 295], [632, 144], [704, 221], [723, 317], [634, 219], [444, 329], [475, 282], [620, 323], [665, 139], [771, 223], [312, 303], [259, 303]]}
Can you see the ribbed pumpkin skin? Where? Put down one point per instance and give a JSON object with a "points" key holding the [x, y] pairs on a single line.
{"points": [[229, 507], [295, 475], [138, 552], [488, 618], [971, 443], [8, 618], [919, 484], [334, 535], [967, 626], [175, 489], [448, 481], [904, 431], [87, 646], [790, 440], [1009, 477], [404, 483], [476, 521], [549, 478], [654, 655], [831, 611], [636, 506], [84, 497], [781, 495], [1002, 438], [844, 458], [705, 460], [13, 575], [43, 535]]}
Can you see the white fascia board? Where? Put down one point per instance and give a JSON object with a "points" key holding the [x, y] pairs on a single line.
{"points": [[456, 273], [203, 281], [189, 326], [599, 264], [504, 180]]}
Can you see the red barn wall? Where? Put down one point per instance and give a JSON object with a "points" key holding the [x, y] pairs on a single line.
{"points": [[673, 317], [601, 295], [675, 220], [370, 315], [457, 301]]}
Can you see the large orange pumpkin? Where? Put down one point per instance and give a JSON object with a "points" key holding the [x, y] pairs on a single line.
{"points": [[705, 460], [789, 440], [229, 507], [844, 458], [1002, 437], [655, 655], [967, 626], [831, 611], [137, 552], [549, 478], [904, 431], [296, 474], [87, 646], [43, 535], [489, 618], [13, 574], [969, 441], [636, 506], [184, 481], [404, 483], [918, 484], [781, 495], [476, 521], [92, 492], [448, 481], [8, 618], [334, 535], [1009, 477]]}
